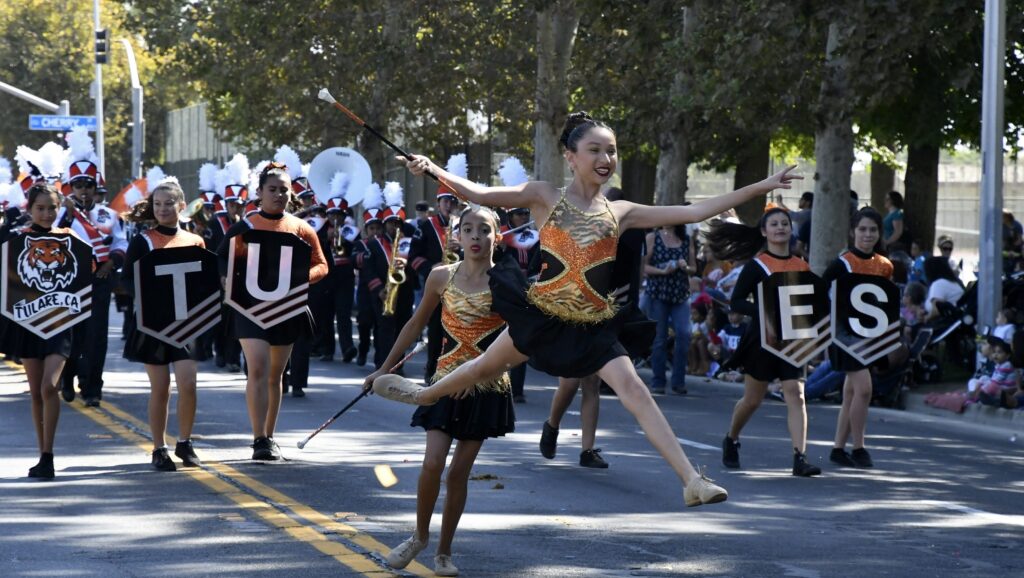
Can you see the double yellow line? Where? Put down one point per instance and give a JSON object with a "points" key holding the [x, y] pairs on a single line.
{"points": [[296, 519]]}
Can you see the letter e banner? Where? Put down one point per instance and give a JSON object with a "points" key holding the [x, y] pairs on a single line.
{"points": [[794, 312]]}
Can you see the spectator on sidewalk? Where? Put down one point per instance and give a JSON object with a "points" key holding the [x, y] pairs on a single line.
{"points": [[943, 285], [893, 223], [667, 262]]}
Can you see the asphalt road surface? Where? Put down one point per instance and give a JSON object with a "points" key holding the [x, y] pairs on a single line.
{"points": [[943, 499]]}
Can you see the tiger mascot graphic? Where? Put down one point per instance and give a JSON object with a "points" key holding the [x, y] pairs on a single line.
{"points": [[47, 263]]}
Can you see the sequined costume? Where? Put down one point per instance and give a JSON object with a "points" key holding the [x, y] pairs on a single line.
{"points": [[469, 327], [566, 322]]}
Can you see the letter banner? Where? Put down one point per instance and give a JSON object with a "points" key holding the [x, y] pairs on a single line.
{"points": [[866, 316], [47, 282], [268, 276], [794, 312], [177, 294]]}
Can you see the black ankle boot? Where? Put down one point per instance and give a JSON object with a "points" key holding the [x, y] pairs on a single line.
{"points": [[801, 467], [44, 469]]}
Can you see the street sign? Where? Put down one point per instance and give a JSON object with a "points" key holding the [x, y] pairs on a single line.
{"points": [[60, 123]]}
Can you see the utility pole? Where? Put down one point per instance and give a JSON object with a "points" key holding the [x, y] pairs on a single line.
{"points": [[990, 246], [101, 59], [138, 128]]}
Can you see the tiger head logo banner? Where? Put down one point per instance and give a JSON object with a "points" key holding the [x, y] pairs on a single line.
{"points": [[47, 281], [178, 295], [795, 320], [268, 276]]}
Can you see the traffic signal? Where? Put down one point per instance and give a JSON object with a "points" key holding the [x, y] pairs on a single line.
{"points": [[101, 46]]}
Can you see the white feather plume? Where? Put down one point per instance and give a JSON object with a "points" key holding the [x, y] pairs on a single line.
{"points": [[5, 171], [15, 196], [305, 170], [25, 155], [254, 180], [512, 172], [339, 185], [290, 159], [220, 180], [393, 194], [80, 146], [374, 197], [154, 176], [237, 170], [133, 195], [51, 159], [457, 165], [207, 178]]}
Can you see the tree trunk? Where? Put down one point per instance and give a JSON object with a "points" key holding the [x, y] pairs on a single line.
{"points": [[833, 149], [883, 180], [556, 34], [922, 187], [751, 167], [638, 180], [670, 182], [379, 111]]}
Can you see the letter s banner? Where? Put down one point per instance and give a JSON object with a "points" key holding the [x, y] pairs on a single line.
{"points": [[866, 316], [794, 311], [268, 276]]}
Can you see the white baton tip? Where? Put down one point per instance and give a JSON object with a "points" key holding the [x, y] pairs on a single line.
{"points": [[325, 95]]}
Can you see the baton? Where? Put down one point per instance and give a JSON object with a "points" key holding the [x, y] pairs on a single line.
{"points": [[419, 347], [325, 95]]}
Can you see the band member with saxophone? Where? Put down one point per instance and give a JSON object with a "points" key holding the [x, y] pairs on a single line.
{"points": [[394, 285], [369, 285], [343, 235], [435, 245]]}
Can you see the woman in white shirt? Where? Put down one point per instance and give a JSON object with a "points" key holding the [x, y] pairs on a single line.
{"points": [[943, 285]]}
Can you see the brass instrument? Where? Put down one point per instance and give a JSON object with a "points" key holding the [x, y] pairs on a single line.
{"points": [[396, 276], [450, 255], [339, 242]]}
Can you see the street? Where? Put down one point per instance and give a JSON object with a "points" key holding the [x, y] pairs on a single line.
{"points": [[943, 499]]}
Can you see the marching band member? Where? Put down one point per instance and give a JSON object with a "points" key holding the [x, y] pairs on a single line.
{"points": [[343, 235], [43, 359], [768, 246], [433, 247], [524, 248], [233, 181], [212, 203], [388, 256], [160, 211], [101, 227], [565, 323], [866, 226], [267, 350], [483, 411], [366, 291]]}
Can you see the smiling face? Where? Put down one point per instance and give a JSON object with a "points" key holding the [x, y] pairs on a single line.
{"points": [[865, 235], [43, 211], [777, 230], [478, 234], [166, 207], [595, 157], [274, 194]]}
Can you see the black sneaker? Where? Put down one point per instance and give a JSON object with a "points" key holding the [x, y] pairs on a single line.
{"points": [[162, 461], [802, 468], [861, 458], [92, 402], [730, 453], [841, 457], [548, 441], [361, 359], [349, 354], [298, 392], [266, 450], [44, 469], [592, 459], [67, 391], [187, 453]]}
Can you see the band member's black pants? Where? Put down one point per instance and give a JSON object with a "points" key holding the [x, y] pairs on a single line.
{"points": [[366, 319], [89, 344], [343, 296]]}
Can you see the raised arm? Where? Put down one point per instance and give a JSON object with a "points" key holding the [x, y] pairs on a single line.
{"points": [[636, 216], [533, 194]]}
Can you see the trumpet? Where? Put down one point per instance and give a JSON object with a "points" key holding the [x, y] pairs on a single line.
{"points": [[396, 276], [450, 255], [339, 243]]}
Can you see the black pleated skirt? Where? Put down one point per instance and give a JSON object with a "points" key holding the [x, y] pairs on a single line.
{"points": [[556, 347], [17, 341], [142, 348], [286, 332], [755, 361], [487, 414]]}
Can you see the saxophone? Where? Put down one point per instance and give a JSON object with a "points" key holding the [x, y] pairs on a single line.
{"points": [[396, 276], [450, 255], [339, 242]]}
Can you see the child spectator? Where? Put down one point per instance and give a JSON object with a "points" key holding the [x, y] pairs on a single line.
{"points": [[912, 311], [1005, 327], [731, 334], [1005, 377], [699, 357]]}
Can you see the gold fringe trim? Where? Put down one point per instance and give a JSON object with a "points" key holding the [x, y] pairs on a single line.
{"points": [[570, 313]]}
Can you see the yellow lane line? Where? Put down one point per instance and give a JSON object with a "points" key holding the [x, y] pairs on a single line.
{"points": [[261, 499]]}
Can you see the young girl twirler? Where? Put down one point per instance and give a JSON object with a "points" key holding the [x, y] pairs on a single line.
{"points": [[566, 323], [161, 210], [43, 359], [866, 227], [471, 415], [769, 241]]}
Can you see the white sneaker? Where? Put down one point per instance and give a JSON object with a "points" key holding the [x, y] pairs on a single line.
{"points": [[704, 491], [397, 388], [443, 566], [402, 554]]}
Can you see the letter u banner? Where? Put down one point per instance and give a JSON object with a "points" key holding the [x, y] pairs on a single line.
{"points": [[46, 282], [268, 276], [177, 294], [795, 321], [866, 316]]}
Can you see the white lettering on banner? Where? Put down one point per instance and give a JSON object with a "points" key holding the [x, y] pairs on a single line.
{"points": [[857, 300], [177, 272], [789, 311], [28, 309], [252, 264]]}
